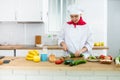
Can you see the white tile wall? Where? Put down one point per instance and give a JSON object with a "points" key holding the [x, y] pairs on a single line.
{"points": [[32, 30], [80, 73], [11, 33], [19, 33], [14, 74], [114, 78], [39, 78], [93, 77], [72, 78], [26, 72], [18, 77], [6, 71], [60, 78]]}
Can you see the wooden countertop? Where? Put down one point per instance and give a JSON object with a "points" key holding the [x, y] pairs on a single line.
{"points": [[12, 47], [21, 63]]}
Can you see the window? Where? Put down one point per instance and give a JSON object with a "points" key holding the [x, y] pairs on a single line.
{"points": [[57, 14]]}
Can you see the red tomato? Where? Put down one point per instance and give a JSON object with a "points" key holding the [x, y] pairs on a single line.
{"points": [[58, 61], [110, 57], [102, 57]]}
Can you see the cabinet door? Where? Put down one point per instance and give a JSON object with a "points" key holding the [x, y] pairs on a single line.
{"points": [[6, 52], [29, 10], [7, 10], [23, 53]]}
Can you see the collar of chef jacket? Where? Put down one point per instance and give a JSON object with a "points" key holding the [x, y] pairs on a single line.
{"points": [[80, 22]]}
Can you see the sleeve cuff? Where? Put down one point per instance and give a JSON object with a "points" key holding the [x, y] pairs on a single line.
{"points": [[59, 42], [89, 48]]}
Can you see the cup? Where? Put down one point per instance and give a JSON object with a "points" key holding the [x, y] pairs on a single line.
{"points": [[44, 57]]}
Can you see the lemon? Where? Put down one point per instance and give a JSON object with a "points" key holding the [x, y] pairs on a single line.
{"points": [[36, 59], [101, 43]]}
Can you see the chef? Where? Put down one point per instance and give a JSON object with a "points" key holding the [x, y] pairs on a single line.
{"points": [[75, 35]]}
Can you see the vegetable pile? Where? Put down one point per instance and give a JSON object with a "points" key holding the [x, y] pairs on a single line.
{"points": [[117, 61], [74, 62]]}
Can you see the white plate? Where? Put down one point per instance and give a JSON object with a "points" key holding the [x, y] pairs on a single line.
{"points": [[93, 60]]}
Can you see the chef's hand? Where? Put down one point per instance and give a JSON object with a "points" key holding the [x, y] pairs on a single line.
{"points": [[64, 46], [77, 53]]}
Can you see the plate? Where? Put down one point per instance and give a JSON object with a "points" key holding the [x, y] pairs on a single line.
{"points": [[93, 60]]}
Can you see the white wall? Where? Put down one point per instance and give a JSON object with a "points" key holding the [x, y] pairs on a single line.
{"points": [[114, 27], [20, 33], [95, 14]]}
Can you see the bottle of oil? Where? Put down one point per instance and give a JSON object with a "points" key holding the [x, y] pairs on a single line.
{"points": [[37, 40]]}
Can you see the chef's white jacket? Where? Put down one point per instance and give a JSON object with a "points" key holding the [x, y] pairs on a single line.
{"points": [[76, 38]]}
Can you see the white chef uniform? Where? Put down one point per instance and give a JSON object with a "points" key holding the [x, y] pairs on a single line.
{"points": [[76, 38]]}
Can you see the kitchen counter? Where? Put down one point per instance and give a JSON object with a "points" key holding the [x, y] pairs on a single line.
{"points": [[21, 69], [12, 47], [21, 63]]}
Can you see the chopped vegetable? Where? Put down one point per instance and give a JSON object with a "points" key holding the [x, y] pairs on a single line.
{"points": [[73, 55]]}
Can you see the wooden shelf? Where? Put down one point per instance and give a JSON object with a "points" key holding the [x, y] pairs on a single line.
{"points": [[50, 47], [100, 47]]}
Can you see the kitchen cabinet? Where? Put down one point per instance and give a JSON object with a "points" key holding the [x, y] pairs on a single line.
{"points": [[7, 10], [21, 10], [29, 10], [23, 53], [6, 52]]}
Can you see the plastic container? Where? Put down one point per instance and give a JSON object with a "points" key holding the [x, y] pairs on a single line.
{"points": [[44, 54]]}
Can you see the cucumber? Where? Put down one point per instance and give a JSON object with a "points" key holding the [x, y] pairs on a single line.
{"points": [[72, 63], [77, 62], [66, 62]]}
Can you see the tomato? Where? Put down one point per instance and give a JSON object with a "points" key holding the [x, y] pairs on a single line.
{"points": [[58, 61], [102, 57], [110, 57]]}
